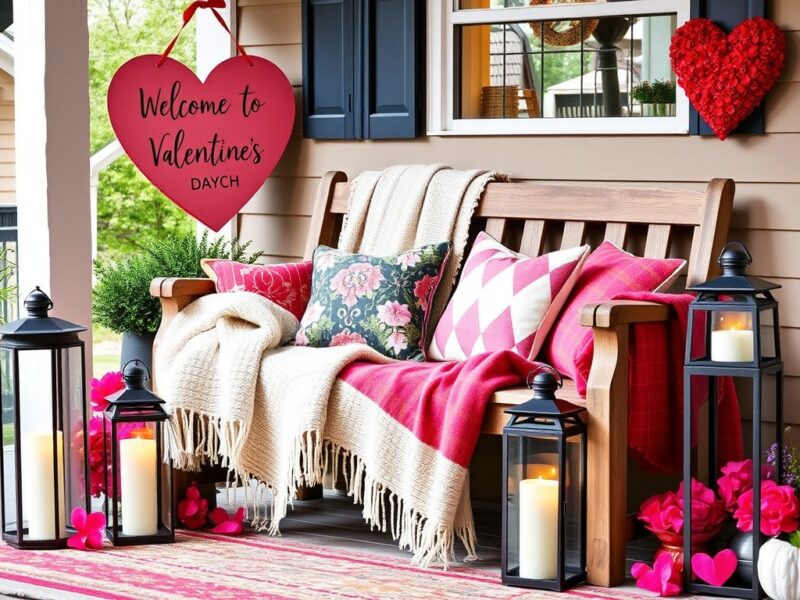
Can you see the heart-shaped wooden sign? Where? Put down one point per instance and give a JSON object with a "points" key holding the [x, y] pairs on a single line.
{"points": [[724, 76], [208, 146]]}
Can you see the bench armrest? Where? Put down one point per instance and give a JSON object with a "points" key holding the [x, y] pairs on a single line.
{"points": [[610, 314], [175, 287], [607, 407]]}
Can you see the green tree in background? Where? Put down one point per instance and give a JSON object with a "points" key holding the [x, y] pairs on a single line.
{"points": [[131, 212]]}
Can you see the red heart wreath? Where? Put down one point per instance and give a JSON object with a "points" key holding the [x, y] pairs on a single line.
{"points": [[727, 76]]}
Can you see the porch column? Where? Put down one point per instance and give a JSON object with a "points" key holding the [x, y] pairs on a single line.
{"points": [[51, 47]]}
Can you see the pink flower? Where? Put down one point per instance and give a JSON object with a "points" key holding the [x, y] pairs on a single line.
{"points": [[313, 313], [424, 289], [779, 509], [664, 514], [397, 341], [225, 523], [356, 281], [394, 314], [408, 259], [664, 579], [737, 478], [345, 337], [708, 512], [193, 509], [105, 386], [88, 530]]}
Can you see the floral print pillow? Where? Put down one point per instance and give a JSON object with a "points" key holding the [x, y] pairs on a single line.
{"points": [[379, 301]]}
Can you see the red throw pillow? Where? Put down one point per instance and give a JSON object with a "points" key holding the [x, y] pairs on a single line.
{"points": [[608, 272], [288, 285]]}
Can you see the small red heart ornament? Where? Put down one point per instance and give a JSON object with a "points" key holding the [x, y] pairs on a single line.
{"points": [[715, 571], [208, 146], [724, 76]]}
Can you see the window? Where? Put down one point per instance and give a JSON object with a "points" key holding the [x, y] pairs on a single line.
{"points": [[554, 66]]}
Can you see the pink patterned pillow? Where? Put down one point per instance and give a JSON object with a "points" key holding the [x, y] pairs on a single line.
{"points": [[504, 301], [288, 285], [608, 272]]}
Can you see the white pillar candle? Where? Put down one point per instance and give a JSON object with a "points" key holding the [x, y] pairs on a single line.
{"points": [[732, 345], [137, 465], [538, 528], [38, 490]]}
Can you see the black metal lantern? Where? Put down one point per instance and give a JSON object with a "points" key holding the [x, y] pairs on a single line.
{"points": [[544, 490], [44, 415], [733, 332], [139, 479]]}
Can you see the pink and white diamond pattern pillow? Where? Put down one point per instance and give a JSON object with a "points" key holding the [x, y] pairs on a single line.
{"points": [[505, 301]]}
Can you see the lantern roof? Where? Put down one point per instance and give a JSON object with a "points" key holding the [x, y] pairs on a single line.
{"points": [[38, 322], [734, 260], [544, 402], [135, 375]]}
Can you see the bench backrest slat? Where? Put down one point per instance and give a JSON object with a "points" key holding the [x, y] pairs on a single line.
{"points": [[530, 212]]}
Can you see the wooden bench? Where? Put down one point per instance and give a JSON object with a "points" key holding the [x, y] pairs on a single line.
{"points": [[534, 218]]}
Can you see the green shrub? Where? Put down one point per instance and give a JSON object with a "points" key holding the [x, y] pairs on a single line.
{"points": [[643, 92], [663, 92], [121, 298]]}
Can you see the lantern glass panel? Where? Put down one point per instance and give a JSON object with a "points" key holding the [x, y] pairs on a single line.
{"points": [[76, 414], [42, 447], [7, 416], [533, 515], [573, 506], [768, 336], [137, 463]]}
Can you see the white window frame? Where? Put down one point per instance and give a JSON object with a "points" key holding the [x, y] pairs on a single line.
{"points": [[444, 17]]}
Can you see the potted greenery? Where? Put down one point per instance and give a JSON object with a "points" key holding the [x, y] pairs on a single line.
{"points": [[664, 97], [121, 297], [657, 98], [643, 94]]}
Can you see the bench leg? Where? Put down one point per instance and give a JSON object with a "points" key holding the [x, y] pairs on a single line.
{"points": [[607, 468]]}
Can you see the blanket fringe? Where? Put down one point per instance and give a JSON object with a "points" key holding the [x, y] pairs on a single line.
{"points": [[196, 439], [199, 439]]}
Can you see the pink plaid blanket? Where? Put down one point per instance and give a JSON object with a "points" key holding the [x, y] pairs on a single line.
{"points": [[655, 393]]}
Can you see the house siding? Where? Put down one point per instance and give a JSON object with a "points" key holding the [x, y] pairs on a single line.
{"points": [[766, 215], [8, 186]]}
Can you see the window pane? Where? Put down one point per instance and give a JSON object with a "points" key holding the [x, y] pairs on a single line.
{"points": [[604, 67]]}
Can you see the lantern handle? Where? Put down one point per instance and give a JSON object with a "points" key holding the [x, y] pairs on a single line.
{"points": [[741, 245], [540, 367], [140, 361]]}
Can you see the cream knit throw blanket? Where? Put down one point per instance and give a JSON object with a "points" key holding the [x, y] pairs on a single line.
{"points": [[278, 414]]}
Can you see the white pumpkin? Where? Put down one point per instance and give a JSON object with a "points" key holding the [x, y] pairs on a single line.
{"points": [[779, 570]]}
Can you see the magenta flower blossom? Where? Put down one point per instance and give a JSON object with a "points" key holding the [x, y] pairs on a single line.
{"points": [[89, 530], [225, 523], [105, 386]]}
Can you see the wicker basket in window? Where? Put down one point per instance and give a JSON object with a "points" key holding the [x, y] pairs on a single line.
{"points": [[499, 102]]}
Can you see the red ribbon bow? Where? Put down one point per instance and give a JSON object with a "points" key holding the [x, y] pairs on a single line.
{"points": [[188, 13]]}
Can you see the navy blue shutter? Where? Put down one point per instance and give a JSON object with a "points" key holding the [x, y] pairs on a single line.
{"points": [[728, 14], [392, 93], [328, 69]]}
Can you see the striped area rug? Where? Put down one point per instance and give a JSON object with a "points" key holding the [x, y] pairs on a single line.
{"points": [[207, 566]]}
